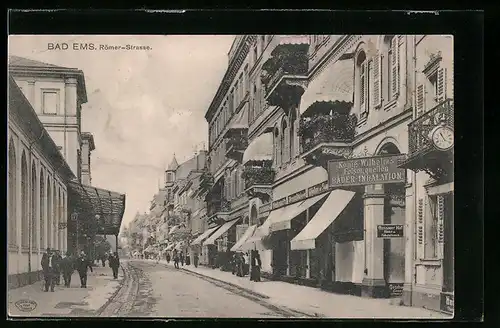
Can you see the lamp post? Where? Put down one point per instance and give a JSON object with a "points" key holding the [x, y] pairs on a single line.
{"points": [[74, 218]]}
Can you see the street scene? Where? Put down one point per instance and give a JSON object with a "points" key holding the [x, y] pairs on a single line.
{"points": [[231, 176]]}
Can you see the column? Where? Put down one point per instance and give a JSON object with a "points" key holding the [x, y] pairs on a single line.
{"points": [[409, 235], [374, 283]]}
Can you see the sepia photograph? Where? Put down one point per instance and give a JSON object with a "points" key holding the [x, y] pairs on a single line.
{"points": [[231, 176]]}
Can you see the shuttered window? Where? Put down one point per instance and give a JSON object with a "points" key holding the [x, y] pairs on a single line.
{"points": [[394, 68], [365, 69], [420, 229], [376, 81], [420, 99], [441, 85]]}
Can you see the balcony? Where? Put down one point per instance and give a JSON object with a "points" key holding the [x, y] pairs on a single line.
{"points": [[218, 210], [259, 180], [422, 154], [235, 147], [285, 76], [326, 137]]}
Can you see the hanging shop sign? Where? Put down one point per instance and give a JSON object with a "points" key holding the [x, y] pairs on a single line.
{"points": [[365, 171], [390, 231]]}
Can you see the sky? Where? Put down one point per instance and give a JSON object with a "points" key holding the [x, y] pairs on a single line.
{"points": [[143, 105]]}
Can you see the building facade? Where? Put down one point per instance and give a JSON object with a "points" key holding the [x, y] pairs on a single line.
{"points": [[37, 191], [324, 158]]}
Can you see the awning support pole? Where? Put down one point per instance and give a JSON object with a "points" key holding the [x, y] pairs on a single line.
{"points": [[116, 243]]}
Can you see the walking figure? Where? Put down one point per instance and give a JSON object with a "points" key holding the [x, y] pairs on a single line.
{"points": [[176, 260], [168, 257], [181, 258], [188, 259], [67, 268], [48, 267], [196, 259], [57, 269], [82, 265], [114, 263]]}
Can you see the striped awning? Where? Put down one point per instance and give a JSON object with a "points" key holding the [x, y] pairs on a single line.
{"points": [[248, 233]]}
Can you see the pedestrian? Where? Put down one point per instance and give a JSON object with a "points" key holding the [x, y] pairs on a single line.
{"points": [[255, 266], [188, 259], [168, 257], [67, 268], [196, 259], [114, 264], [176, 260], [246, 264], [82, 265], [241, 262], [233, 264], [48, 270], [181, 258], [57, 267]]}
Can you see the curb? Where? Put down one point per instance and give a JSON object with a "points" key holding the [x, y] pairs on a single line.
{"points": [[99, 311]]}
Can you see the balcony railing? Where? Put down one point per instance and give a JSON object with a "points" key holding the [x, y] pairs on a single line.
{"points": [[421, 127], [272, 80], [258, 176], [219, 206], [236, 143], [326, 129]]}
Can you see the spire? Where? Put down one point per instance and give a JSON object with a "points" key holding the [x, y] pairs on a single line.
{"points": [[173, 165]]}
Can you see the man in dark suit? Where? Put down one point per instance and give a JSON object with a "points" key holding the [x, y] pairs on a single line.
{"points": [[67, 267], [114, 263], [49, 269], [82, 265]]}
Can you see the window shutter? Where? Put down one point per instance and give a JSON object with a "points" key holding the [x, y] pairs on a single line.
{"points": [[440, 226], [395, 66], [376, 81], [296, 136], [364, 86], [420, 99], [441, 85], [420, 229]]}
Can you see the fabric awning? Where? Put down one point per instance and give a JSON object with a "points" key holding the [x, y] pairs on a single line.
{"points": [[284, 220], [225, 227], [90, 201], [256, 240], [329, 211], [260, 149], [331, 85], [248, 233], [179, 245], [239, 121], [204, 236]]}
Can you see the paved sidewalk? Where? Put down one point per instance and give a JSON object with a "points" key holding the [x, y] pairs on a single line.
{"points": [[67, 302], [315, 301]]}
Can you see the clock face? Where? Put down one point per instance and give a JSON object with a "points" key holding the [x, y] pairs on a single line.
{"points": [[443, 138]]}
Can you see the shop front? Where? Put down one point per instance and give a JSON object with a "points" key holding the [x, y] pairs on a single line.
{"points": [[198, 243], [219, 241]]}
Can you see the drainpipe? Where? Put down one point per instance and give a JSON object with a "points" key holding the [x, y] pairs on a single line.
{"points": [[30, 225]]}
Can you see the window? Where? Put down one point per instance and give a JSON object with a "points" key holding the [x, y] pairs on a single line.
{"points": [[246, 79], [42, 211], [285, 150], [34, 198], [24, 203], [432, 88], [363, 67], [12, 221], [50, 101], [277, 147], [393, 65], [434, 229]]}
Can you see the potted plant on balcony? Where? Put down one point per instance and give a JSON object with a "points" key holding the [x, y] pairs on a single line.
{"points": [[258, 175]]}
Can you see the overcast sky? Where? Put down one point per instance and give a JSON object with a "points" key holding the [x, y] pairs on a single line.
{"points": [[143, 106]]}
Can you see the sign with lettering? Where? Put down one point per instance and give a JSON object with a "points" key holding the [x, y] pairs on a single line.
{"points": [[364, 171], [390, 231], [395, 289]]}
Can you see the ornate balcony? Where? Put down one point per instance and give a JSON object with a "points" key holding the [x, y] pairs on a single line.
{"points": [[235, 147], [259, 181], [218, 209], [422, 154], [326, 137], [285, 76]]}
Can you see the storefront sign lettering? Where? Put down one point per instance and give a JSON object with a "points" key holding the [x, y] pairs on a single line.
{"points": [[390, 231], [318, 189], [279, 203], [364, 171], [297, 196]]}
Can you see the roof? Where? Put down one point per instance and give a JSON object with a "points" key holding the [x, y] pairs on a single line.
{"points": [[21, 66], [173, 165], [21, 111], [90, 201]]}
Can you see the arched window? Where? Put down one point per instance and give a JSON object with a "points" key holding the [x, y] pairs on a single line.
{"points": [[49, 213], [253, 215], [42, 211], [24, 203], [12, 221], [34, 217], [363, 83], [277, 147], [55, 216], [285, 136]]}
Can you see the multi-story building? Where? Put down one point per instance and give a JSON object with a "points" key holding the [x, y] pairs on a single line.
{"points": [[323, 154], [37, 191], [56, 95]]}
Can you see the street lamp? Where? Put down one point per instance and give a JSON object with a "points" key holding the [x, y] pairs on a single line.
{"points": [[74, 218]]}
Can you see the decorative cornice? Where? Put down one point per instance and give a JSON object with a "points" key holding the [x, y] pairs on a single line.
{"points": [[233, 67]]}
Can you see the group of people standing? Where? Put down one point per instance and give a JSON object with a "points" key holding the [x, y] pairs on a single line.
{"points": [[180, 257], [53, 265], [242, 265]]}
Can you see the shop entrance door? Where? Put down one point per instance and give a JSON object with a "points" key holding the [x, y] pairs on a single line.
{"points": [[448, 256], [280, 253]]}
